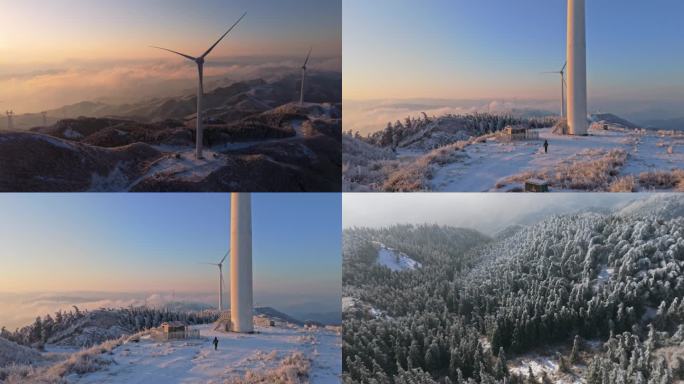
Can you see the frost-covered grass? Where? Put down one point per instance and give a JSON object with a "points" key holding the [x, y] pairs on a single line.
{"points": [[368, 168], [663, 180], [365, 167], [86, 361], [624, 184], [294, 369], [596, 174], [12, 353], [414, 176], [82, 362]]}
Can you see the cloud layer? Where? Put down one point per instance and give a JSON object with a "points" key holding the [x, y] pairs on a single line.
{"points": [[371, 116], [36, 88]]}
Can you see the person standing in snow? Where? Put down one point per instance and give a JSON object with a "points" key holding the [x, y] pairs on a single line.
{"points": [[215, 343], [546, 146]]}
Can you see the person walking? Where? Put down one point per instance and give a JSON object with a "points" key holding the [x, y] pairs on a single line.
{"points": [[546, 146], [215, 343]]}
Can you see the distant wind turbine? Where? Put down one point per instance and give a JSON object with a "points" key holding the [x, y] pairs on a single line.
{"points": [[563, 85], [220, 267], [44, 118], [10, 120], [200, 87], [301, 94]]}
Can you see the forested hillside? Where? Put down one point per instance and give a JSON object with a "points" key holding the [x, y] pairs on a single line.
{"points": [[87, 328], [601, 295]]}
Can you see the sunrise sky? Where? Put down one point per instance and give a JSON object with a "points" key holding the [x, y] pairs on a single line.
{"points": [[465, 49], [54, 52], [153, 243]]}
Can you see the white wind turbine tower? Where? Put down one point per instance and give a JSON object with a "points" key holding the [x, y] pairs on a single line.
{"points": [[44, 118], [220, 268], [563, 85], [241, 298], [577, 68], [200, 86], [304, 68]]}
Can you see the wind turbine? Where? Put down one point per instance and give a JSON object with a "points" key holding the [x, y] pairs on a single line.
{"points": [[563, 85], [200, 86], [220, 267], [10, 120], [44, 118], [301, 94]]}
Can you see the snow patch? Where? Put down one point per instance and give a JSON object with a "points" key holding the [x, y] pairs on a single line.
{"points": [[395, 260], [183, 166], [538, 364], [71, 134], [54, 141], [348, 303], [605, 274]]}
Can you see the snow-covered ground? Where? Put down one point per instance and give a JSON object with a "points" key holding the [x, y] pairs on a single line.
{"points": [[186, 166], [540, 364], [487, 163], [348, 302], [605, 274], [396, 260], [195, 361]]}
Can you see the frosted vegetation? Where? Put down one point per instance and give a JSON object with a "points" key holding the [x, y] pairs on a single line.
{"points": [[98, 331], [534, 304], [84, 329]]}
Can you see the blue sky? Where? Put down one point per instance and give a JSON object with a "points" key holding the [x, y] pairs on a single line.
{"points": [[154, 242], [466, 49]]}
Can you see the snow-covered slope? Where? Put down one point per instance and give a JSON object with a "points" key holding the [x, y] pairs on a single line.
{"points": [[271, 354], [493, 165]]}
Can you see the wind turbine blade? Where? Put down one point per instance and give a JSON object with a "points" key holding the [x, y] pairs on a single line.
{"points": [[308, 57], [224, 35], [214, 264], [564, 66], [224, 257], [177, 53]]}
